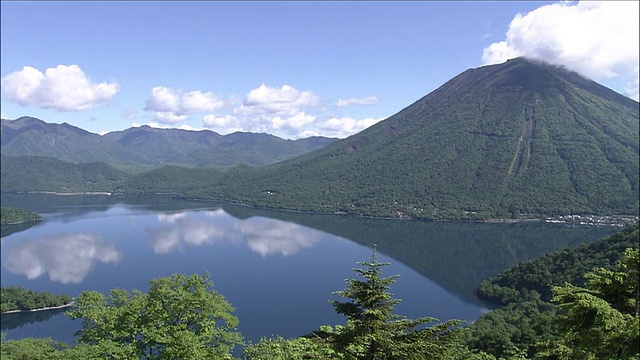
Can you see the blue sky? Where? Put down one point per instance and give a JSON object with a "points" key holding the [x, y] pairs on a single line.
{"points": [[292, 69]]}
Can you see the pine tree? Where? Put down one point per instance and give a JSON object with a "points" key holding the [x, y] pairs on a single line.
{"points": [[373, 331]]}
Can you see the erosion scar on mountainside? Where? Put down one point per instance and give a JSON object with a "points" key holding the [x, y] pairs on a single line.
{"points": [[527, 134]]}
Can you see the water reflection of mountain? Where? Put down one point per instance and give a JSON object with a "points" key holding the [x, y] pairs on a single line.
{"points": [[77, 204], [456, 255], [6, 230], [18, 320]]}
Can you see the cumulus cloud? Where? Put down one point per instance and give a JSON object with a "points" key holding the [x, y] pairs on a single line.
{"points": [[597, 39], [369, 100], [67, 258], [294, 122], [342, 127], [280, 111], [264, 236], [272, 237], [284, 101], [294, 127], [168, 117], [289, 113], [212, 120], [63, 88], [173, 106]]}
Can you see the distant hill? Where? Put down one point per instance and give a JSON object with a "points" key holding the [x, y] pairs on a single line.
{"points": [[39, 173], [503, 140], [150, 147], [28, 136]]}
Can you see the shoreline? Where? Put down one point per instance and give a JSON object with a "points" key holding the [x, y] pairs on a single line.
{"points": [[22, 222], [39, 309], [582, 220]]}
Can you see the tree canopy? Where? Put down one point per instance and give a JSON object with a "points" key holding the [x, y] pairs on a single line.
{"points": [[181, 317]]}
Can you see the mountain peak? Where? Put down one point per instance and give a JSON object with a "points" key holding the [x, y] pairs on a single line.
{"points": [[521, 137]]}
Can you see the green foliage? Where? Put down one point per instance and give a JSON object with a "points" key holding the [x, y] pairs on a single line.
{"points": [[27, 349], [10, 215], [603, 312], [568, 265], [513, 330], [513, 140], [39, 173], [46, 349], [180, 317], [170, 179], [149, 147], [600, 320], [501, 141], [17, 298], [278, 348], [373, 331]]}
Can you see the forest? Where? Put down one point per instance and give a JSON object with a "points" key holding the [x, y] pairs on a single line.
{"points": [[10, 215], [17, 298], [590, 312]]}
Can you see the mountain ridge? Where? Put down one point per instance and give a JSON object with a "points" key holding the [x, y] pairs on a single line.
{"points": [[517, 139], [147, 146]]}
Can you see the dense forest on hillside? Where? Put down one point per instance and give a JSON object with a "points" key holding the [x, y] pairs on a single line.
{"points": [[506, 140], [565, 266], [38, 173], [527, 321], [517, 140], [147, 147]]}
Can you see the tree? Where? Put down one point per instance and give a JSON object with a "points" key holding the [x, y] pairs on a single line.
{"points": [[180, 317], [373, 331], [600, 320]]}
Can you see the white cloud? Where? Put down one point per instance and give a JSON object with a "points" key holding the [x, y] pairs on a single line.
{"points": [[172, 106], [277, 237], [342, 127], [222, 124], [64, 88], [68, 258], [369, 100], [264, 236], [168, 126], [198, 102], [597, 39], [163, 99], [169, 117], [278, 111], [294, 122], [284, 101], [218, 121]]}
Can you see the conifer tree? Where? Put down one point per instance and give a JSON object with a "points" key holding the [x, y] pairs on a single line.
{"points": [[373, 331]]}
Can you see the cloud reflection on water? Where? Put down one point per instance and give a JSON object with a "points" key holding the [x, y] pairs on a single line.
{"points": [[264, 236], [68, 258]]}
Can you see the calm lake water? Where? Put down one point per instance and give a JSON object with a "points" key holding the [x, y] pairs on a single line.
{"points": [[277, 269]]}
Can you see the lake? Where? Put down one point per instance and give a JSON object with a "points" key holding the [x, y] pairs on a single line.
{"points": [[278, 269]]}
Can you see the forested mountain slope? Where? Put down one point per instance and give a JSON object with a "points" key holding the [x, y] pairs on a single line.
{"points": [[150, 147], [39, 173], [502, 140]]}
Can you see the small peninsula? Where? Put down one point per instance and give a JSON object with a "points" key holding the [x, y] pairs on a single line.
{"points": [[17, 299], [10, 216]]}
